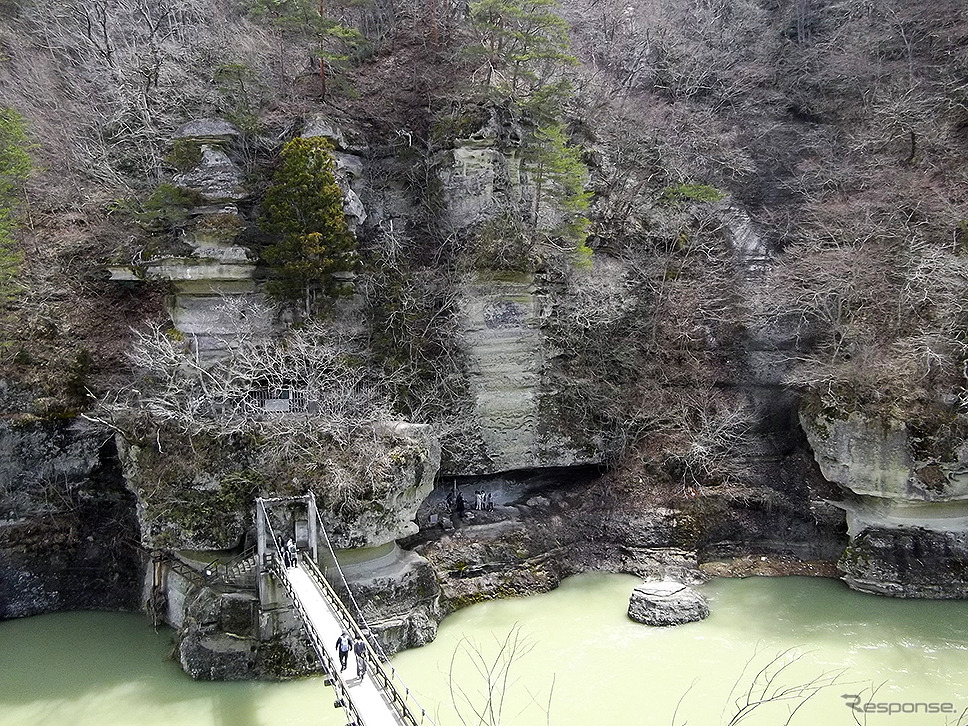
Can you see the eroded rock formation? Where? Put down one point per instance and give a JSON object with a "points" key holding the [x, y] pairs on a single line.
{"points": [[758, 233], [906, 504], [66, 521]]}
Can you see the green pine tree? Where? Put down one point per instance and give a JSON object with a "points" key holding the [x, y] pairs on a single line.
{"points": [[523, 45], [560, 177], [303, 213], [331, 43], [523, 50]]}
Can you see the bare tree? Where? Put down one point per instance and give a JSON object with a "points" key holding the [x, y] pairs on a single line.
{"points": [[483, 702], [305, 401], [769, 685]]}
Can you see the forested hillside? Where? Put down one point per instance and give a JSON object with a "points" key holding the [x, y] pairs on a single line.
{"points": [[838, 127], [717, 249]]}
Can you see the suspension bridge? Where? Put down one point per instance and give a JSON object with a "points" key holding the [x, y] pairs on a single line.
{"points": [[326, 608]]}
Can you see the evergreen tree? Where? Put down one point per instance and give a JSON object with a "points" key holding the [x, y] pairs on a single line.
{"points": [[559, 177], [524, 48], [303, 212], [524, 44], [333, 43]]}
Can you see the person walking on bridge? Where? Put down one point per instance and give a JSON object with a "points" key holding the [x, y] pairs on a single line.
{"points": [[359, 648], [293, 555], [343, 645]]}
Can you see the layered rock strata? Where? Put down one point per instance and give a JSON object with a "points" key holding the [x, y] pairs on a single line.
{"points": [[213, 284], [907, 507], [506, 353]]}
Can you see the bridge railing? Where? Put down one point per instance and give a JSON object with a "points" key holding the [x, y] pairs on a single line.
{"points": [[333, 574], [330, 672], [231, 571], [396, 691], [176, 565]]}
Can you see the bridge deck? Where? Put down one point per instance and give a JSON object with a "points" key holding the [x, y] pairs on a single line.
{"points": [[368, 699]]}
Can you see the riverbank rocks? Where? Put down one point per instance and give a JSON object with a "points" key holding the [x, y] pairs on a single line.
{"points": [[666, 602]]}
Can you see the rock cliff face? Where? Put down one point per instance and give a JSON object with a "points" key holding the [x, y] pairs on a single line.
{"points": [[195, 496], [222, 637], [198, 515], [399, 597], [482, 176], [389, 515], [216, 268], [752, 236], [66, 522], [199, 496], [196, 501], [907, 506], [507, 350]]}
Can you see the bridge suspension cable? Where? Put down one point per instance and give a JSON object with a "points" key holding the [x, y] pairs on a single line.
{"points": [[393, 679], [345, 614]]}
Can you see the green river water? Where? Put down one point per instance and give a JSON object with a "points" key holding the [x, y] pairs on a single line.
{"points": [[598, 667]]}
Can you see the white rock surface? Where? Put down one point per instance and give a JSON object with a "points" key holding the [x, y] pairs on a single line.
{"points": [[890, 487], [506, 353], [666, 602], [480, 183], [207, 128], [216, 178]]}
